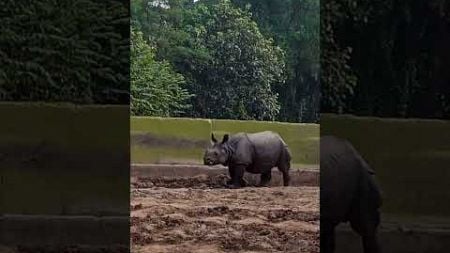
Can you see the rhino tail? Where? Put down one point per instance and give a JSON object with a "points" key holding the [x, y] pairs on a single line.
{"points": [[286, 156]]}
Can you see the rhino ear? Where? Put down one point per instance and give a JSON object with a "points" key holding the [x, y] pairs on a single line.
{"points": [[213, 138], [225, 138]]}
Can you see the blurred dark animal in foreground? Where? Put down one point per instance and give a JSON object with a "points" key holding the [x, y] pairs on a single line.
{"points": [[348, 193], [255, 153]]}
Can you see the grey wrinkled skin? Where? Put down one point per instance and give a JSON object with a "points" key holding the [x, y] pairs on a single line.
{"points": [[255, 153], [348, 193]]}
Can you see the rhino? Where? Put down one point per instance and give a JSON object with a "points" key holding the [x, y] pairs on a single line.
{"points": [[348, 193], [256, 153]]}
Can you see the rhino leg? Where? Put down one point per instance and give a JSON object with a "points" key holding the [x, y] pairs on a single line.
{"points": [[286, 178], [231, 171], [366, 226], [230, 181], [365, 216], [243, 182], [265, 179], [237, 176], [284, 168], [327, 240], [370, 244], [369, 238]]}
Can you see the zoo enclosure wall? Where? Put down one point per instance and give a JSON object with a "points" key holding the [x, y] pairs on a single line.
{"points": [[183, 140]]}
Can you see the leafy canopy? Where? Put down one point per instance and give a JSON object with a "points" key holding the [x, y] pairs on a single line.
{"points": [[237, 76], [156, 89]]}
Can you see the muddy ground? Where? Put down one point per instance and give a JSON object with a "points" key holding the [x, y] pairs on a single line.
{"points": [[186, 213]]}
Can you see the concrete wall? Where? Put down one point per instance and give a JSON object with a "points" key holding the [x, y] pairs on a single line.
{"points": [[411, 158], [64, 174], [47, 151], [183, 140]]}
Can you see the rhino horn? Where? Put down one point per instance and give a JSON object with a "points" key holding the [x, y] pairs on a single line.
{"points": [[213, 138], [225, 138]]}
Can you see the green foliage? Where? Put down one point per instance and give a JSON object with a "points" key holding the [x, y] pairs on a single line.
{"points": [[156, 89], [243, 59], [294, 25], [64, 51], [337, 78], [228, 64], [237, 82], [386, 58]]}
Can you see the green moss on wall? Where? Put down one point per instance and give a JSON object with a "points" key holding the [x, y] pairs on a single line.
{"points": [[411, 158], [47, 151], [183, 139]]}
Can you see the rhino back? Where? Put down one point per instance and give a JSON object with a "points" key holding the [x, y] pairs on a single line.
{"points": [[268, 148], [260, 150]]}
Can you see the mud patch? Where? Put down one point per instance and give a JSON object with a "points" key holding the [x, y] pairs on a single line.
{"points": [[197, 176], [200, 182], [178, 215]]}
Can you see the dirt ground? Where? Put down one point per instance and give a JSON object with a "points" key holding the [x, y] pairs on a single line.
{"points": [[198, 214]]}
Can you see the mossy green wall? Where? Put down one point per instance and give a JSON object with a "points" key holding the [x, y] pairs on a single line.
{"points": [[302, 138], [64, 125], [411, 159], [47, 151]]}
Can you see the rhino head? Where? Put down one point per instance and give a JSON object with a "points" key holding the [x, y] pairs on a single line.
{"points": [[216, 153]]}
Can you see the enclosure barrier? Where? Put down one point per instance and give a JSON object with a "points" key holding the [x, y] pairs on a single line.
{"points": [[183, 140], [411, 159]]}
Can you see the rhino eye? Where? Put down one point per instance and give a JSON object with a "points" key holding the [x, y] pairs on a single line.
{"points": [[216, 153]]}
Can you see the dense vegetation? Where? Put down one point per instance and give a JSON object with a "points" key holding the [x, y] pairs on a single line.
{"points": [[155, 86], [73, 51], [294, 25], [386, 58], [239, 59]]}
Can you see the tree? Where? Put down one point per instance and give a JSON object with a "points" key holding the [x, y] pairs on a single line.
{"points": [[337, 78], [232, 69], [395, 61], [72, 51], [294, 25], [156, 89], [237, 77]]}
